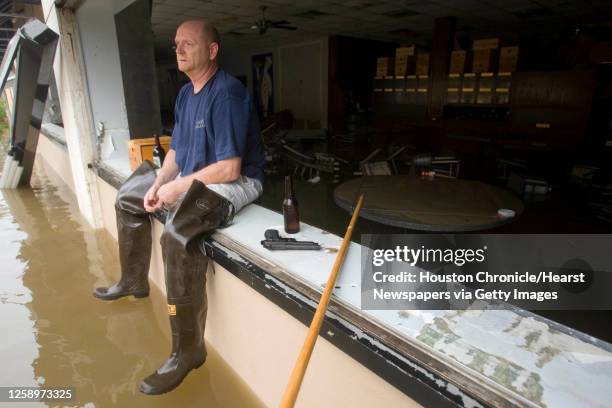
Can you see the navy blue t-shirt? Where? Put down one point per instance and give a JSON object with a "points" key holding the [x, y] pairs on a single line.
{"points": [[217, 123]]}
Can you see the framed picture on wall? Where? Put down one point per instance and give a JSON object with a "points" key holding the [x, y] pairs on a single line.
{"points": [[263, 84]]}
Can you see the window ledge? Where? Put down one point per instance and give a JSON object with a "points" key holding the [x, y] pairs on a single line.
{"points": [[437, 357]]}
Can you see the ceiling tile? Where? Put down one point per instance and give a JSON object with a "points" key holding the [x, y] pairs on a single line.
{"points": [[384, 8], [376, 19]]}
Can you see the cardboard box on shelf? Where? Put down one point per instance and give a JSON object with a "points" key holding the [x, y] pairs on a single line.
{"points": [[400, 69], [483, 61], [404, 51], [384, 66], [508, 59], [422, 64], [404, 65], [382, 62], [140, 150], [508, 52], [457, 62], [486, 44]]}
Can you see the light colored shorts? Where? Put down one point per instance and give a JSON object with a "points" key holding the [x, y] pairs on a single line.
{"points": [[241, 192]]}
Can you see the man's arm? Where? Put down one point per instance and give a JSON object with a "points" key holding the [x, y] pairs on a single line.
{"points": [[166, 174], [223, 171], [169, 169]]}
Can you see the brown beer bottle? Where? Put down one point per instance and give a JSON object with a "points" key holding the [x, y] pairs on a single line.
{"points": [[159, 154], [290, 208]]}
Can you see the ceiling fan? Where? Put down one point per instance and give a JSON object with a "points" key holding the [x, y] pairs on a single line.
{"points": [[263, 24]]}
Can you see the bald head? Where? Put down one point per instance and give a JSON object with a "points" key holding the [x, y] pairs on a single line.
{"points": [[208, 32], [197, 47]]}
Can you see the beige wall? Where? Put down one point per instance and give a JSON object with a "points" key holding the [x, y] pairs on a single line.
{"points": [[261, 342], [56, 157]]}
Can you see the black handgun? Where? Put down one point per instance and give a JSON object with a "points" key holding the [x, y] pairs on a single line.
{"points": [[273, 235], [274, 241]]}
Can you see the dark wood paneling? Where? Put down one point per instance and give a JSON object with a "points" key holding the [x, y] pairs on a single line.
{"points": [[553, 88], [443, 36]]}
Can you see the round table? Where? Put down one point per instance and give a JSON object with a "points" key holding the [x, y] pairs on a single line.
{"points": [[436, 204]]}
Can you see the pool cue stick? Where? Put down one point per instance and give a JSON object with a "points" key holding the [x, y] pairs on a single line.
{"points": [[299, 370]]}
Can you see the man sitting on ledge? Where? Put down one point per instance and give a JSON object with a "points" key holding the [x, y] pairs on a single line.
{"points": [[213, 168]]}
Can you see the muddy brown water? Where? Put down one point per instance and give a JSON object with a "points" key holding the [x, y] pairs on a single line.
{"points": [[54, 333]]}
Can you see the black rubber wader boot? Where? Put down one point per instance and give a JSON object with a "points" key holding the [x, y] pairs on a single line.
{"points": [[134, 236], [197, 215]]}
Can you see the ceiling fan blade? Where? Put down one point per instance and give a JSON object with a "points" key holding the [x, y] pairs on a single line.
{"points": [[263, 24]]}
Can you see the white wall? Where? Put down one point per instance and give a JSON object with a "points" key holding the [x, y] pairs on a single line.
{"points": [[96, 20]]}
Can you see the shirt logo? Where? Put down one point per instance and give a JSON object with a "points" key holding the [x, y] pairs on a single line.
{"points": [[199, 124], [202, 204]]}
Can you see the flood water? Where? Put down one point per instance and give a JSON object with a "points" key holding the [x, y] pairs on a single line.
{"points": [[54, 333]]}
